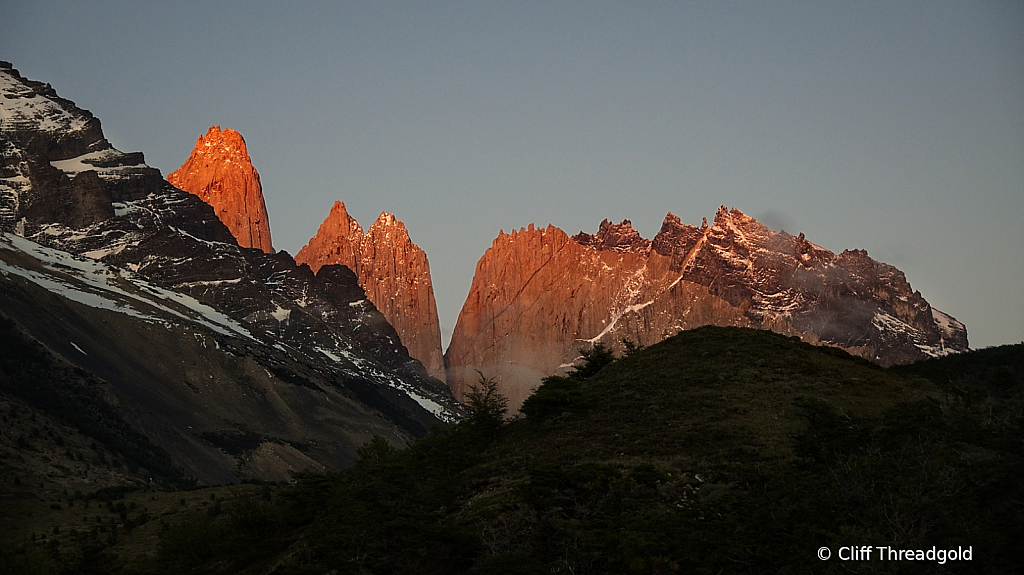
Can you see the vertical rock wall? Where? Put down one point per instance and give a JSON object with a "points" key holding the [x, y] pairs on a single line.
{"points": [[539, 296], [393, 272], [220, 172]]}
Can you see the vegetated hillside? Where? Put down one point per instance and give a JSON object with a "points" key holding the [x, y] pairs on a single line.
{"points": [[995, 371], [719, 450]]}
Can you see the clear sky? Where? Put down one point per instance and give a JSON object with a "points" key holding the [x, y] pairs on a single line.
{"points": [[896, 127]]}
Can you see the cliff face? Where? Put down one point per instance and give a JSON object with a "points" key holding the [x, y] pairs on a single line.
{"points": [[220, 173], [538, 296], [392, 270]]}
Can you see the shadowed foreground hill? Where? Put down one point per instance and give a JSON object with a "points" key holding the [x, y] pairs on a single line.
{"points": [[720, 450]]}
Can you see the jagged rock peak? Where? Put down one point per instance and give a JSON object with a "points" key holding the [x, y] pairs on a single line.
{"points": [[726, 218], [619, 237], [220, 172], [528, 230], [336, 241], [678, 238], [339, 220], [392, 270], [538, 298]]}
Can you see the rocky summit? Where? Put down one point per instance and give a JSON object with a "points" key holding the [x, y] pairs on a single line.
{"points": [[392, 270], [220, 172], [539, 296], [56, 168], [231, 362]]}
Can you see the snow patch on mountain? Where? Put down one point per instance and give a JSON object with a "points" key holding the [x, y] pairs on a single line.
{"points": [[24, 109], [886, 322], [98, 285], [611, 325], [947, 325], [281, 314], [93, 161]]}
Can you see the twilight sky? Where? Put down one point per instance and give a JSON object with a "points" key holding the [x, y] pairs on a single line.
{"points": [[896, 127]]}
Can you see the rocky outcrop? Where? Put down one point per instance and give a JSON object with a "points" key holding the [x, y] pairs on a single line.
{"points": [[615, 237], [538, 296], [220, 172], [392, 270], [55, 164]]}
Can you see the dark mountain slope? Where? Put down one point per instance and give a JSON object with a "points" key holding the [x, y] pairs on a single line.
{"points": [[222, 403], [39, 386]]}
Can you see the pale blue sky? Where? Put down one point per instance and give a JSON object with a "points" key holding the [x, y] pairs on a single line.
{"points": [[896, 127]]}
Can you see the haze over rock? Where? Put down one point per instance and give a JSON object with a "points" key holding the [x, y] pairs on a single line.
{"points": [[392, 270], [538, 296], [220, 172]]}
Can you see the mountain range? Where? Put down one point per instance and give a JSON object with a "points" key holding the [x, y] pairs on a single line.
{"points": [[232, 360], [539, 296]]}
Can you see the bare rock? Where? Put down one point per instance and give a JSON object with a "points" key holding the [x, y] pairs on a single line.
{"points": [[392, 270], [55, 164], [220, 172], [538, 297]]}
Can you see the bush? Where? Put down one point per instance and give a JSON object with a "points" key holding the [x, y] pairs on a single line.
{"points": [[560, 394], [556, 395], [487, 406], [376, 451], [594, 360]]}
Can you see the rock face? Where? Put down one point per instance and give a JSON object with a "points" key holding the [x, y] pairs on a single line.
{"points": [[220, 173], [538, 296], [235, 362], [393, 272], [55, 164]]}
